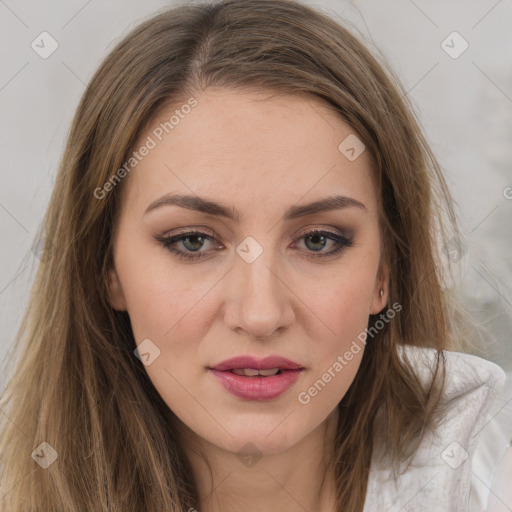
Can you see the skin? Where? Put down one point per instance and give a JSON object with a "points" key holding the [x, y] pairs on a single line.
{"points": [[261, 154]]}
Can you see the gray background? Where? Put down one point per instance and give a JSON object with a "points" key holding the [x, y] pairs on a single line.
{"points": [[464, 105]]}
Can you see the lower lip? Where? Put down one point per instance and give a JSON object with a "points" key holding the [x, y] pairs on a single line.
{"points": [[259, 389]]}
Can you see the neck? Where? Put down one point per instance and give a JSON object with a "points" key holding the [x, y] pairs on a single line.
{"points": [[295, 480]]}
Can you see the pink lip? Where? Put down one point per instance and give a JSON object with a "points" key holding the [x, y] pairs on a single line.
{"points": [[258, 364], [257, 388]]}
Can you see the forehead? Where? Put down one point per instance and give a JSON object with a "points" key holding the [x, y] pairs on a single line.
{"points": [[247, 146]]}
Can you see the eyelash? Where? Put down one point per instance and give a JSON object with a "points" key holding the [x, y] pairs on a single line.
{"points": [[166, 242]]}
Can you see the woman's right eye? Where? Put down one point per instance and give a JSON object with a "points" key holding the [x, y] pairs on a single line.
{"points": [[192, 240]]}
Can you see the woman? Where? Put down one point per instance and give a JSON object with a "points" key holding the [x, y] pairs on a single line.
{"points": [[240, 303]]}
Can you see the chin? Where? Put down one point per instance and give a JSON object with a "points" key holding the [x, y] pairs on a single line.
{"points": [[262, 437]]}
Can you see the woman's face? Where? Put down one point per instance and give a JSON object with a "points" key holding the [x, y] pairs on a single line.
{"points": [[258, 283]]}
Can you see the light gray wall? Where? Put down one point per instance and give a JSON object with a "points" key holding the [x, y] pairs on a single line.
{"points": [[464, 104]]}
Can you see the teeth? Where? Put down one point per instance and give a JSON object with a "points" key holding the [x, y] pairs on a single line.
{"points": [[246, 372], [267, 373], [252, 372]]}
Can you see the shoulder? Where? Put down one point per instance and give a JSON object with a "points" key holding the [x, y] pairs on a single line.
{"points": [[439, 475], [465, 373]]}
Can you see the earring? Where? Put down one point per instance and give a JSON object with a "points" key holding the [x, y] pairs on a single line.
{"points": [[381, 293]]}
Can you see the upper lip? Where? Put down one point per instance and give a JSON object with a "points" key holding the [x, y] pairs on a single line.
{"points": [[267, 363]]}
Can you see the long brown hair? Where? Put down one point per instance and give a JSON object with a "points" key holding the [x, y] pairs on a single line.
{"points": [[77, 384]]}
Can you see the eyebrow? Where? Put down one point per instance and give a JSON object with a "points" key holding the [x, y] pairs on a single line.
{"points": [[204, 205]]}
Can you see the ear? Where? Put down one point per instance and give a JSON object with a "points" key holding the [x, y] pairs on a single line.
{"points": [[381, 289], [116, 295]]}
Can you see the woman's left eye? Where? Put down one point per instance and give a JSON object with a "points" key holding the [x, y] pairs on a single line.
{"points": [[317, 240], [193, 241]]}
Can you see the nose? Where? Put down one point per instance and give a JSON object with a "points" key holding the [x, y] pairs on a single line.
{"points": [[258, 303]]}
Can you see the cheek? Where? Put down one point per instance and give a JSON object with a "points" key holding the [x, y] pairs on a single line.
{"points": [[173, 309], [345, 302], [164, 301], [343, 309]]}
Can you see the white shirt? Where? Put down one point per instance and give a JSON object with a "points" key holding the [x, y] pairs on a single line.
{"points": [[448, 473]]}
